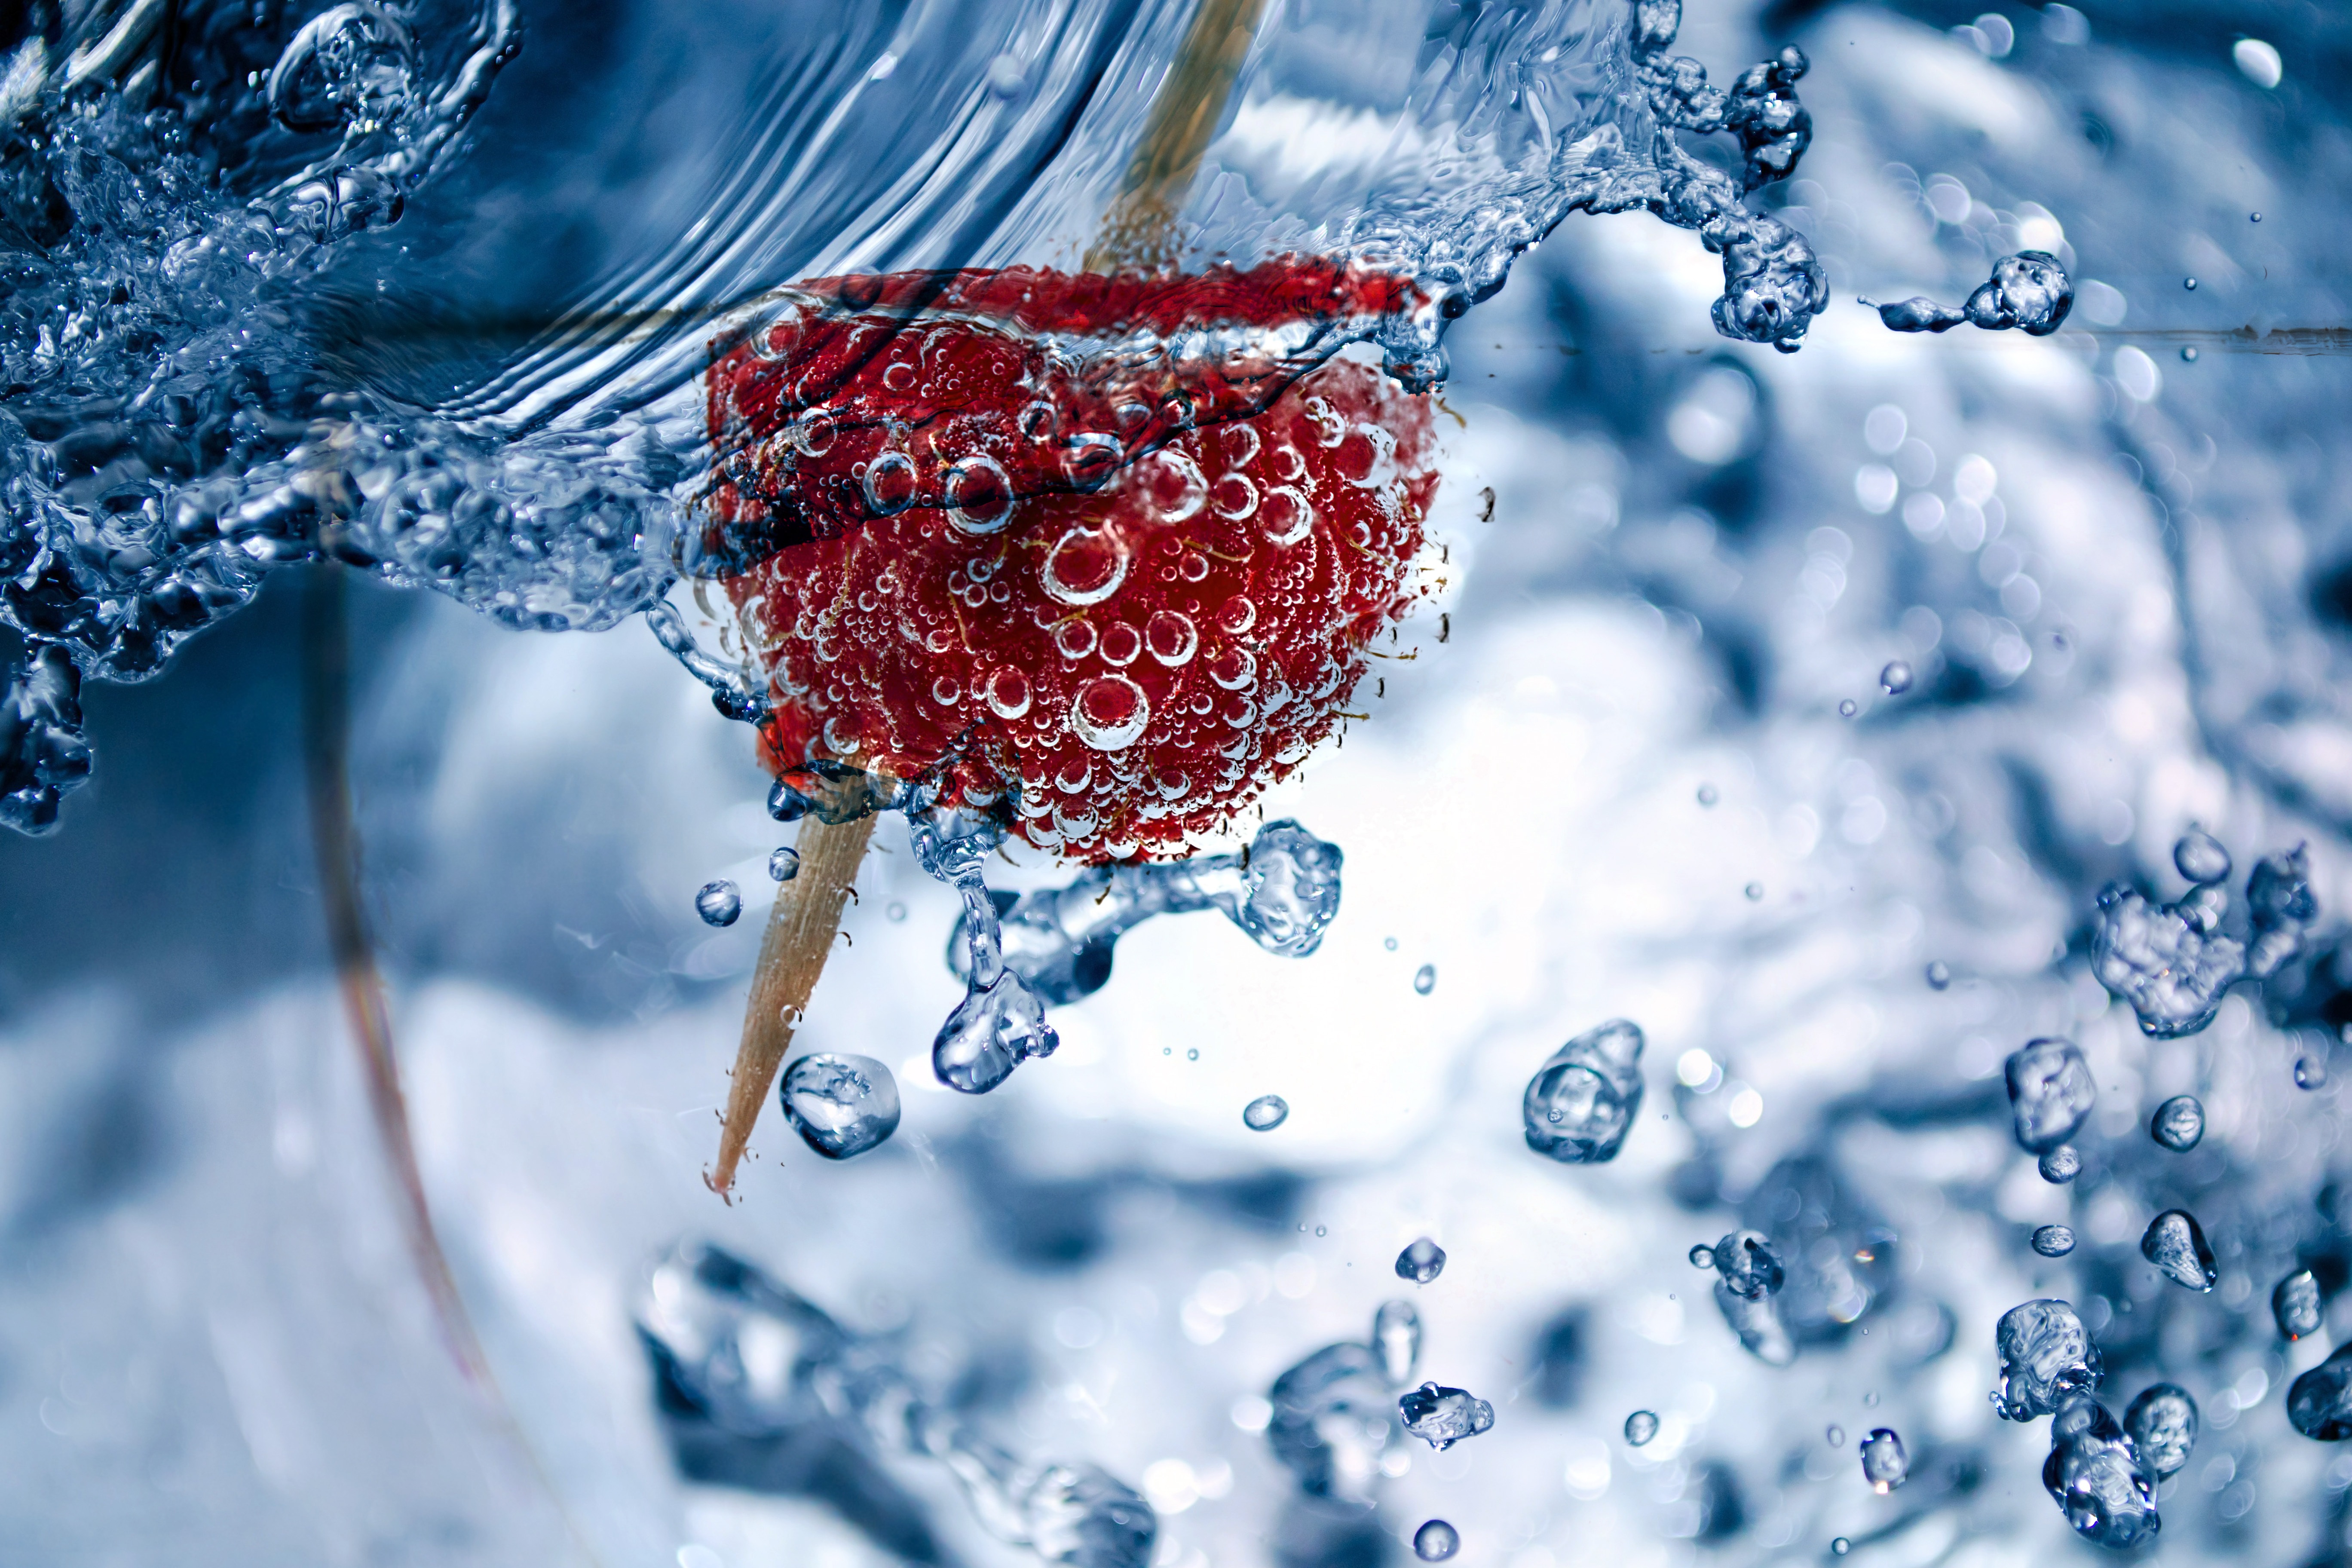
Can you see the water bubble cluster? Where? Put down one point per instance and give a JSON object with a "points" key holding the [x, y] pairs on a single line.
{"points": [[1582, 1101]]}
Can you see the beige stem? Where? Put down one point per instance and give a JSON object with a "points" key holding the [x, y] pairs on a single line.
{"points": [[1140, 230], [799, 938]]}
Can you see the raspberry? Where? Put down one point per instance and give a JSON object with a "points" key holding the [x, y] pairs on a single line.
{"points": [[1133, 665]]}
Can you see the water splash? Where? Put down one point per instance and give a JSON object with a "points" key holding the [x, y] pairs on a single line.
{"points": [[738, 1352]]}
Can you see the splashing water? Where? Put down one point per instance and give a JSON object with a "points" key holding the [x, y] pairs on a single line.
{"points": [[2029, 292]]}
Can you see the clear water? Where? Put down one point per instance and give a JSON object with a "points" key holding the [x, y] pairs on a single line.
{"points": [[2109, 561]]}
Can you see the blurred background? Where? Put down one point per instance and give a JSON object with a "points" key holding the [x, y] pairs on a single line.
{"points": [[2118, 561]]}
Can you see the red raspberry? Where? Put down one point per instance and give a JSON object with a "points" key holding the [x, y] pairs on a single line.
{"points": [[1142, 660]]}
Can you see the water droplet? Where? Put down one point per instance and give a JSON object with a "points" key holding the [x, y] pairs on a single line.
{"points": [[1707, 795], [1194, 1055], [1750, 1268], [1442, 1416], [718, 903], [2176, 1244], [2189, 353], [2295, 1304], [2178, 1123], [1848, 709], [786, 804], [1171, 638], [1421, 1262], [1435, 1542], [2162, 1424], [2053, 1240], [2311, 1070], [1396, 1340], [2254, 218], [783, 863], [2095, 1475], [1895, 679], [351, 65], [1266, 1113], [1425, 979], [1755, 891], [2046, 1355], [1836, 1436], [894, 911], [1640, 1427], [1885, 1464], [1389, 942], [1582, 1101], [2028, 290], [1109, 712], [2190, 283], [2199, 858], [1840, 1546], [840, 1105], [2061, 1165], [2319, 1403], [1939, 976], [1086, 566], [1702, 1256], [2050, 1090]]}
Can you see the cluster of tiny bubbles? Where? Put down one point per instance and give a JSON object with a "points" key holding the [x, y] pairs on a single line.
{"points": [[2178, 1123], [1895, 679], [1939, 976], [1707, 795], [2061, 1165], [1435, 1542], [1885, 1464], [2295, 1306], [2176, 1244], [1848, 709], [1421, 1261], [1640, 1427], [1582, 1101], [719, 903], [1266, 1113], [1442, 1416], [1425, 979], [2053, 1240], [840, 1105], [783, 864]]}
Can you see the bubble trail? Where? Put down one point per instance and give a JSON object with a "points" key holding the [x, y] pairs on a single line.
{"points": [[2096, 1477], [1640, 1427], [2162, 1422], [1582, 1101], [2046, 1356], [2053, 1241], [840, 1105], [2061, 1165], [2176, 1244], [2028, 290], [1885, 1464], [1442, 1416], [1421, 1261], [1266, 1113], [1435, 1542], [2050, 1090], [2296, 1307], [718, 903], [2178, 1123]]}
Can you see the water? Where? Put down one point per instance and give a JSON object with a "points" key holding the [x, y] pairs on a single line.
{"points": [[2297, 1305], [2201, 858], [1583, 1100], [1266, 1113], [2095, 1475], [1885, 1464], [783, 863], [2046, 1356], [840, 1105], [1425, 980], [1435, 1540], [2176, 1244], [2060, 1165], [2050, 1092], [2162, 1421], [2319, 1403], [1421, 1261], [1640, 1427], [1442, 1416], [2178, 1123], [718, 903], [2053, 1240]]}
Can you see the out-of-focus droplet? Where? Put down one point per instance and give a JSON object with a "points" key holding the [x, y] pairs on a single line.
{"points": [[1840, 1546], [1396, 1341], [2311, 1070], [2053, 1241], [1939, 976], [1702, 1256], [2162, 1424], [1707, 794], [784, 864], [2176, 1244], [840, 1105], [1266, 1113], [2050, 1090], [1836, 1436], [2189, 353], [2061, 1165], [1755, 891], [2296, 1305], [1421, 1262], [1885, 1464], [1848, 709], [1425, 979], [1389, 942], [2178, 1123], [1435, 1542], [2319, 1403], [2201, 858], [1442, 1416], [2189, 284], [1640, 1427], [1895, 679], [718, 903]]}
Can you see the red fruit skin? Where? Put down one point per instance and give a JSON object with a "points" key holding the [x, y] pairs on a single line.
{"points": [[1134, 666]]}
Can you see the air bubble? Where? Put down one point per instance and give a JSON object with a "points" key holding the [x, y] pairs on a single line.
{"points": [[1109, 712], [1086, 566], [889, 484], [1895, 679], [1171, 638]]}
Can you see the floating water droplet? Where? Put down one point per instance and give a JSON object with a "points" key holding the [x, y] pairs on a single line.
{"points": [[786, 804], [1425, 979], [2296, 1305], [1895, 679], [1836, 1436], [1435, 1542], [718, 903], [1755, 891], [2046, 1355], [2319, 1403], [2095, 1475], [2164, 960], [1707, 794], [2254, 218], [2162, 1424], [1750, 1268], [2178, 1123], [1939, 976], [1702, 1256], [783, 863], [1848, 709], [1389, 942], [2050, 1090], [2061, 1165], [1640, 1427], [1396, 1340], [840, 1105], [2201, 858], [2311, 1070], [1193, 1055], [2176, 1244], [2281, 903], [2053, 1240], [1840, 1546], [1421, 1262], [1442, 1416], [1885, 1464], [894, 911], [2028, 290], [2189, 353], [1582, 1101], [1266, 1113], [2189, 283]]}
